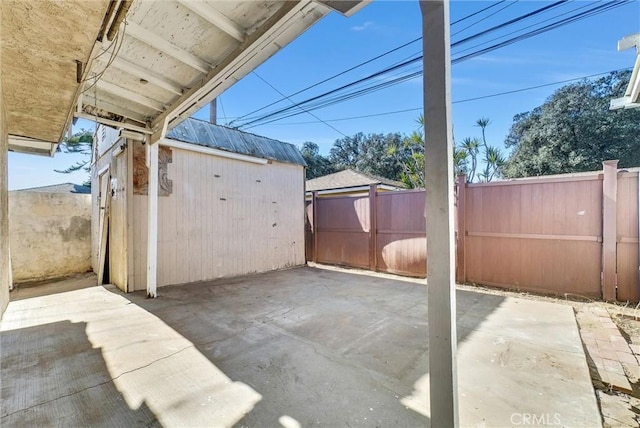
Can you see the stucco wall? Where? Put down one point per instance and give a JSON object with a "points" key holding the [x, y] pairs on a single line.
{"points": [[50, 234], [5, 270]]}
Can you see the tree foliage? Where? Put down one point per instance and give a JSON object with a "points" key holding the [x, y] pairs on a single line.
{"points": [[370, 154], [317, 165], [574, 131], [79, 143]]}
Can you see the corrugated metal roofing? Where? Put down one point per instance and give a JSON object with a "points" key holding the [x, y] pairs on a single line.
{"points": [[206, 134]]}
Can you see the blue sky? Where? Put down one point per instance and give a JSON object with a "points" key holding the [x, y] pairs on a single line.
{"points": [[337, 43]]}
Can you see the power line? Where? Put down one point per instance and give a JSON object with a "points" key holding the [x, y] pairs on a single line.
{"points": [[460, 101], [586, 14], [510, 22], [334, 76], [410, 42], [480, 11], [485, 18], [286, 112], [521, 29], [308, 112]]}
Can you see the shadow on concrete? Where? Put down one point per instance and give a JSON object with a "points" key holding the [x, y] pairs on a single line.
{"points": [[53, 376], [322, 347]]}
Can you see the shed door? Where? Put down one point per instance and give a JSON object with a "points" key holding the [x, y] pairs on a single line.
{"points": [[118, 222]]}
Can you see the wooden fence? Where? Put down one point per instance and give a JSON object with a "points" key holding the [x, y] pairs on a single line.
{"points": [[572, 234]]}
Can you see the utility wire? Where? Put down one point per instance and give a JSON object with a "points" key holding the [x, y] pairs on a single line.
{"points": [[485, 18], [410, 42], [466, 100], [283, 113], [521, 29], [395, 67], [292, 102], [333, 77], [479, 12], [511, 21]]}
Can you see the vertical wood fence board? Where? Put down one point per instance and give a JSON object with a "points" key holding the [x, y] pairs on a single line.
{"points": [[401, 239], [627, 238], [609, 234], [342, 234]]}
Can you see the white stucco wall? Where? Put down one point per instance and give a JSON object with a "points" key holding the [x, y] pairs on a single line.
{"points": [[50, 234]]}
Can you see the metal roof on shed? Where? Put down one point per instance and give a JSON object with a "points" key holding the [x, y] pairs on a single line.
{"points": [[206, 134]]}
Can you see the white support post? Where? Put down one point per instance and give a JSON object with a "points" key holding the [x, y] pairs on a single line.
{"points": [[439, 211], [152, 221]]}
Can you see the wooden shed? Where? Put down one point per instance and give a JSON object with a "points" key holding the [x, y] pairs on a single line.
{"points": [[229, 203]]}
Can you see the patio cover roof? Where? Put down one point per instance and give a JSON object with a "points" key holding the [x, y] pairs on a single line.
{"points": [[141, 65], [631, 98]]}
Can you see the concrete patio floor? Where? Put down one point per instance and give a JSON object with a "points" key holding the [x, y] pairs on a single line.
{"points": [[301, 347]]}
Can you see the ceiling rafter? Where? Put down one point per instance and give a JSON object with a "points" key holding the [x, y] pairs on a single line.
{"points": [[216, 18], [168, 48], [129, 95], [143, 73], [257, 46]]}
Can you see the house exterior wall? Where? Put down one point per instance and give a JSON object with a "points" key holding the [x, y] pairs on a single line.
{"points": [[50, 234], [5, 260], [223, 218]]}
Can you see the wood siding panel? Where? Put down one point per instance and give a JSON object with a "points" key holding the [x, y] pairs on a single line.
{"points": [[532, 236], [118, 223], [401, 235], [224, 218], [627, 238], [343, 230]]}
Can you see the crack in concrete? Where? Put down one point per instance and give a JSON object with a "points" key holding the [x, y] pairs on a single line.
{"points": [[98, 384]]}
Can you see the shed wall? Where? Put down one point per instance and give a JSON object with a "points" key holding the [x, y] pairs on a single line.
{"points": [[223, 218]]}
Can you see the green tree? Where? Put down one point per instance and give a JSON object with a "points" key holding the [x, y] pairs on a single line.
{"points": [[493, 159], [410, 156], [317, 165], [368, 153], [79, 143], [574, 131]]}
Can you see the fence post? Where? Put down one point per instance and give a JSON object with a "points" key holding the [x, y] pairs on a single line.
{"points": [[609, 232], [314, 224], [461, 271], [373, 228]]}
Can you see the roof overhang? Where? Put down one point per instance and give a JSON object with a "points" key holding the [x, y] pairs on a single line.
{"points": [[141, 65], [168, 59], [31, 146], [631, 98], [42, 44]]}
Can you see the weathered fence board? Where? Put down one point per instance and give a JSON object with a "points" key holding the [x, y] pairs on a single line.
{"points": [[535, 236], [627, 237], [401, 238]]}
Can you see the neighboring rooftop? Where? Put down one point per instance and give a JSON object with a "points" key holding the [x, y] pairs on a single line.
{"points": [[349, 178], [206, 134], [59, 188]]}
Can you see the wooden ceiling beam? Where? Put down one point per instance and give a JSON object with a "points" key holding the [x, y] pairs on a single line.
{"points": [[216, 18], [165, 46]]}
